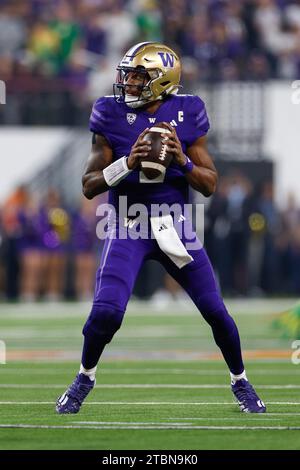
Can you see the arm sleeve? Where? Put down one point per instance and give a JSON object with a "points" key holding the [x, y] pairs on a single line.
{"points": [[198, 120]]}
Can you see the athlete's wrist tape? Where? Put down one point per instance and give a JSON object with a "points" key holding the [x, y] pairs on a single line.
{"points": [[188, 166], [116, 171]]}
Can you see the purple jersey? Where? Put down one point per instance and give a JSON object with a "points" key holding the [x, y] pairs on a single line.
{"points": [[121, 126]]}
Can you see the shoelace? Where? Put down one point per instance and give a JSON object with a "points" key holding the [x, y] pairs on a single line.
{"points": [[245, 393]]}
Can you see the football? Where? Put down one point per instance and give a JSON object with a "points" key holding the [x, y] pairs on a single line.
{"points": [[159, 158]]}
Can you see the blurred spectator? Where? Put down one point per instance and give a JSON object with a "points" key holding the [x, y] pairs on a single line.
{"points": [[54, 226], [292, 14], [95, 35], [291, 214], [149, 21], [83, 248], [295, 259], [257, 67], [65, 25], [44, 44], [121, 29], [48, 252], [29, 250], [66, 53], [2, 262], [239, 206], [101, 79], [13, 30], [266, 207], [11, 231], [217, 227]]}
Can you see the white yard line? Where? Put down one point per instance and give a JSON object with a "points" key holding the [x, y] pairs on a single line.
{"points": [[184, 421], [143, 403], [281, 414], [131, 423], [150, 386], [154, 427], [164, 371], [262, 416], [138, 308]]}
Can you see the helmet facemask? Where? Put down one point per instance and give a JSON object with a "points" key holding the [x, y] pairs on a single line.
{"points": [[121, 87]]}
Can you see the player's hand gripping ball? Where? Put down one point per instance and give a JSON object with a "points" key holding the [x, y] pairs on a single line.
{"points": [[159, 157]]}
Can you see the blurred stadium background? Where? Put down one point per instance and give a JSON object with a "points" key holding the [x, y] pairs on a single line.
{"points": [[57, 57]]}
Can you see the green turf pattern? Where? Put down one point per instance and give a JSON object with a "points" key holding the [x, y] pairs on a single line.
{"points": [[158, 399]]}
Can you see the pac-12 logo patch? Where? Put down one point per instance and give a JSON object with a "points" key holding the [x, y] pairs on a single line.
{"points": [[131, 117]]}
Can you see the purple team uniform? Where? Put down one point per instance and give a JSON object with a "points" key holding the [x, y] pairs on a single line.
{"points": [[122, 258], [53, 238], [110, 119], [29, 237], [83, 233]]}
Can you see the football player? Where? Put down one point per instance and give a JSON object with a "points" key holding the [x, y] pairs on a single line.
{"points": [[145, 93]]}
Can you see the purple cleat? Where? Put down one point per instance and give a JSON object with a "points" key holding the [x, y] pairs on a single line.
{"points": [[71, 400], [247, 398]]}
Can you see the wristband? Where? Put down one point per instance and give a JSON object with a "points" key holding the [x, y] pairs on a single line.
{"points": [[188, 166], [116, 171]]}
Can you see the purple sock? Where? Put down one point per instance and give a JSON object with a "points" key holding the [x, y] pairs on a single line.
{"points": [[229, 342], [91, 352]]}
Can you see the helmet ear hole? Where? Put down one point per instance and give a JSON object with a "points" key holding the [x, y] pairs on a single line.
{"points": [[165, 83]]}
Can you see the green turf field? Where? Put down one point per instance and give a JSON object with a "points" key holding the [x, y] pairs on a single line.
{"points": [[161, 384]]}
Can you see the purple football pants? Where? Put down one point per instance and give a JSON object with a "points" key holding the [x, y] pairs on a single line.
{"points": [[120, 263]]}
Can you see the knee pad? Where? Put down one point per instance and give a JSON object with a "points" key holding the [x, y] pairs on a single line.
{"points": [[103, 322]]}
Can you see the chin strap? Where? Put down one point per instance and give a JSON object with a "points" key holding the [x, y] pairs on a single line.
{"points": [[172, 90]]}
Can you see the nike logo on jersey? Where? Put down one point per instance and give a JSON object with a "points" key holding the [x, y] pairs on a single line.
{"points": [[162, 227]]}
